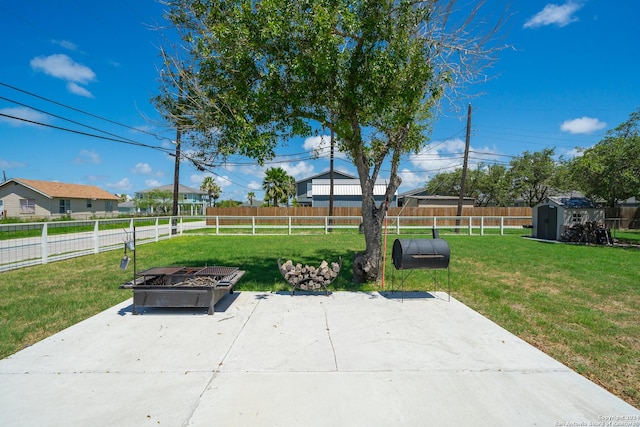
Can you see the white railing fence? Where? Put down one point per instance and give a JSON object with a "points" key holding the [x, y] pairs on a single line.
{"points": [[27, 244]]}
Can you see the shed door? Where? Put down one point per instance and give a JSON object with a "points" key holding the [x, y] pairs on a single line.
{"points": [[547, 222]]}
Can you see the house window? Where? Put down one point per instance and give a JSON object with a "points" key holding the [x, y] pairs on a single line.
{"points": [[27, 206], [576, 217], [88, 203], [65, 206]]}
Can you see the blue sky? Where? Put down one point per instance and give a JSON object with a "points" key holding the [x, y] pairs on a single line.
{"points": [[569, 75]]}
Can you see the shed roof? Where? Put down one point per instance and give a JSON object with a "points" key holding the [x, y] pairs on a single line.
{"points": [[53, 189], [574, 202]]}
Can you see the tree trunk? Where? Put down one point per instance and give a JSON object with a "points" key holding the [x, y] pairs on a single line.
{"points": [[367, 266]]}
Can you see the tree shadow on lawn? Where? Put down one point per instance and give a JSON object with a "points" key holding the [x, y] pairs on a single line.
{"points": [[261, 273]]}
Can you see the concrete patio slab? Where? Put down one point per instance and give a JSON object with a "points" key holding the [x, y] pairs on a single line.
{"points": [[269, 359]]}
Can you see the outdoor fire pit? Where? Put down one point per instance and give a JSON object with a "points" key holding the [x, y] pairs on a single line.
{"points": [[197, 287]]}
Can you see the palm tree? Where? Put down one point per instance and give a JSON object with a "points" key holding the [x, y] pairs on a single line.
{"points": [[250, 196], [275, 184], [212, 188], [289, 188]]}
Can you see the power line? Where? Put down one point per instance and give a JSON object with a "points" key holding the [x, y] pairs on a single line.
{"points": [[139, 144], [66, 119], [82, 111]]}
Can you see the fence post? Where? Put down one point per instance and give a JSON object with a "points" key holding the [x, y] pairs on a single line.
{"points": [[253, 225], [326, 225], [217, 226], [470, 226], [435, 223], [44, 246], [158, 229], [502, 226], [398, 225], [181, 228], [289, 226], [482, 226], [96, 238]]}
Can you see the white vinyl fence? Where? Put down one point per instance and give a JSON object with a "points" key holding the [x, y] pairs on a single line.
{"points": [[27, 244]]}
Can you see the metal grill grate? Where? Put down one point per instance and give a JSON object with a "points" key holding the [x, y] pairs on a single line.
{"points": [[217, 271]]}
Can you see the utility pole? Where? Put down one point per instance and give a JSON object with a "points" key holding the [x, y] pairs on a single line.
{"points": [[331, 181], [176, 170], [464, 169], [176, 186], [176, 175]]}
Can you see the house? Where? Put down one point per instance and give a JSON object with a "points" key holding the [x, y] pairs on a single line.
{"points": [[30, 198], [127, 208], [552, 217], [315, 191], [419, 198], [304, 187], [191, 201]]}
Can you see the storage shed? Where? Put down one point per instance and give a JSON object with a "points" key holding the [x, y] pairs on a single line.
{"points": [[555, 215]]}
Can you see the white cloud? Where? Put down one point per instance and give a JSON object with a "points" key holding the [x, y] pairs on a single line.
{"points": [[223, 181], [22, 113], [62, 67], [554, 14], [87, 156], [151, 183], [320, 146], [442, 157], [123, 185], [583, 125], [78, 90], [254, 185], [66, 44], [439, 156], [8, 164], [141, 169], [298, 170], [411, 179]]}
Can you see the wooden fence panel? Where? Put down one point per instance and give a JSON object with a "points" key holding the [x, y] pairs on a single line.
{"points": [[345, 211]]}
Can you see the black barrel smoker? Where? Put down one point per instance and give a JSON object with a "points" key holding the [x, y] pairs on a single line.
{"points": [[423, 254]]}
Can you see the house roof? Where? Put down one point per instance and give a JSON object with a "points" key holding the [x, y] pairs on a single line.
{"points": [[336, 175], [53, 189], [182, 189], [414, 192]]}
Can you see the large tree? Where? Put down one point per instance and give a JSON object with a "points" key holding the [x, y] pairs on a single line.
{"points": [[251, 73], [494, 185], [611, 169], [533, 175], [487, 184], [450, 183]]}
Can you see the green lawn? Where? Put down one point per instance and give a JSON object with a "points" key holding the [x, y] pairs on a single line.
{"points": [[579, 304]]}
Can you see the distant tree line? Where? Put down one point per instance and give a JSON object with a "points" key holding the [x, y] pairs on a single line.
{"points": [[610, 171]]}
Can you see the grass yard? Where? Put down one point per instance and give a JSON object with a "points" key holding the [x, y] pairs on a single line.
{"points": [[579, 304]]}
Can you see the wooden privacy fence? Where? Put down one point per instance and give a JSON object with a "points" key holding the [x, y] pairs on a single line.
{"points": [[421, 211], [348, 217]]}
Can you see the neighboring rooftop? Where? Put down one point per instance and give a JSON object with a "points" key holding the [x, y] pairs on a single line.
{"points": [[53, 189]]}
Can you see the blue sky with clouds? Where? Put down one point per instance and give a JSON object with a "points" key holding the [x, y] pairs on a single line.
{"points": [[90, 68]]}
